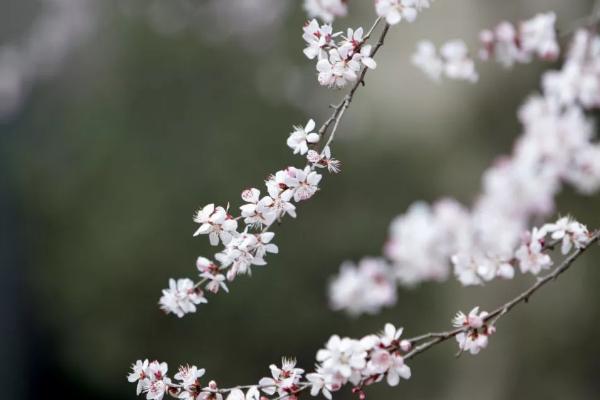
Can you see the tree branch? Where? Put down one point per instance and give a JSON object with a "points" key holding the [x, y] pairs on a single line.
{"points": [[492, 317]]}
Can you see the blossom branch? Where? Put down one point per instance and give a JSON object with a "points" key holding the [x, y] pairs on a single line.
{"points": [[360, 362], [341, 108], [348, 61], [493, 316]]}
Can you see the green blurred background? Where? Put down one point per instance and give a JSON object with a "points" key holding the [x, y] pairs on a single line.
{"points": [[163, 106]]}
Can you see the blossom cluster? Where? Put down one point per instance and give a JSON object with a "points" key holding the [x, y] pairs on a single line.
{"points": [[360, 362], [421, 248], [506, 43], [395, 11], [492, 237], [343, 361], [340, 58], [509, 44], [365, 288], [326, 10], [453, 61], [247, 246]]}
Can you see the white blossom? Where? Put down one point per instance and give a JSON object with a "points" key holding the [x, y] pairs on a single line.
{"points": [[427, 59], [326, 10], [139, 375], [303, 183], [216, 223], [509, 44], [365, 288], [302, 137], [283, 379], [189, 377], [457, 63], [531, 256], [397, 370], [474, 320], [538, 36], [318, 384], [324, 160], [569, 232], [318, 38], [337, 69], [474, 340], [453, 61], [158, 382], [344, 356], [395, 11], [257, 211], [181, 297]]}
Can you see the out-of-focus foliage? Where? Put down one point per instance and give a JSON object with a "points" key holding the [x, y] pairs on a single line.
{"points": [[106, 160]]}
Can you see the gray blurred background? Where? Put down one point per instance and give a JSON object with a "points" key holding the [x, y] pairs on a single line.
{"points": [[120, 118]]}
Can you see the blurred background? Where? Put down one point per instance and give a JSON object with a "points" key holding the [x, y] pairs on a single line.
{"points": [[119, 118]]}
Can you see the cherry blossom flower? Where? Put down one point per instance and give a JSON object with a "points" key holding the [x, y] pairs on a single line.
{"points": [[502, 44], [302, 182], [453, 61], [474, 340], [318, 38], [216, 223], [390, 335], [397, 370], [578, 82], [474, 320], [210, 271], [457, 63], [189, 376], [570, 232], [395, 11], [584, 173], [257, 211], [531, 256], [427, 59], [324, 160], [139, 375], [181, 297], [538, 36], [509, 44], [284, 380], [336, 70], [365, 288], [302, 137], [318, 384], [326, 10], [353, 43], [158, 383], [343, 356]]}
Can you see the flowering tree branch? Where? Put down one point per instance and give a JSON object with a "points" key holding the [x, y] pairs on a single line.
{"points": [[360, 362], [493, 316], [345, 103], [490, 241]]}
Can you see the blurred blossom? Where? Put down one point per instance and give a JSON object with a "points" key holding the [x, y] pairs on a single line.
{"points": [[62, 25]]}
